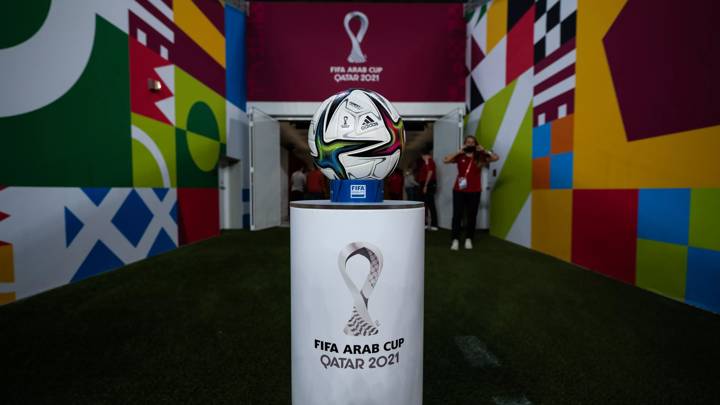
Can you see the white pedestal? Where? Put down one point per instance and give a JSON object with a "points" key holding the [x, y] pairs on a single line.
{"points": [[357, 291]]}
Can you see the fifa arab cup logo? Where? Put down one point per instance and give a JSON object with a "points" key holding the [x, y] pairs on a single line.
{"points": [[356, 53], [360, 323]]}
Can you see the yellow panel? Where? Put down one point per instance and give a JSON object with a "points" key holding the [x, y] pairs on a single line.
{"points": [[194, 23], [496, 23], [552, 222], [603, 157], [6, 298], [7, 274]]}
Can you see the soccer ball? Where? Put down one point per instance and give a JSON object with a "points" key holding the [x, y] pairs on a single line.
{"points": [[356, 134]]}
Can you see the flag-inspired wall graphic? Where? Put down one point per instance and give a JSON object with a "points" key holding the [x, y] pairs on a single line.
{"points": [[125, 172], [638, 212]]}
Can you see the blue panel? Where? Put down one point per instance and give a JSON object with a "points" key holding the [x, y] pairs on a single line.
{"points": [[161, 192], [561, 170], [702, 287], [246, 195], [235, 56], [356, 191], [72, 226], [133, 218], [664, 215], [96, 195], [162, 243], [246, 221], [99, 260], [541, 141], [173, 212]]}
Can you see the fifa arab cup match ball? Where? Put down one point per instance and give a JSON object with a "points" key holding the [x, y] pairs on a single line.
{"points": [[356, 134]]}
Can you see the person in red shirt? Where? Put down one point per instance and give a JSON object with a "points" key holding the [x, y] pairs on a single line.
{"points": [[427, 184], [466, 191], [395, 185], [316, 185]]}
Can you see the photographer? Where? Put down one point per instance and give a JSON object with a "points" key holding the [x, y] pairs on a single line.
{"points": [[466, 191]]}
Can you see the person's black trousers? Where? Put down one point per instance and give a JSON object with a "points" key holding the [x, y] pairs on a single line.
{"points": [[465, 205], [429, 200]]}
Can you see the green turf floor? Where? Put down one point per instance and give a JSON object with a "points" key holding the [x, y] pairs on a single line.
{"points": [[210, 323]]}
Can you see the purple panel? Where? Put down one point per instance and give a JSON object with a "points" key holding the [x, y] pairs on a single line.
{"points": [[550, 107], [191, 58], [214, 11], [664, 59]]}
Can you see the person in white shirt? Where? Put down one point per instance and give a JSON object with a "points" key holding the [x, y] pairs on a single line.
{"points": [[297, 184]]}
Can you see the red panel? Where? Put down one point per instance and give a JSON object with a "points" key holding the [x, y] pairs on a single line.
{"points": [[416, 51], [520, 47], [143, 62], [198, 214], [604, 232]]}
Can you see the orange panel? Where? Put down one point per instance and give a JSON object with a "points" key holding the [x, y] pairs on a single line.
{"points": [[7, 274], [562, 135], [541, 172]]}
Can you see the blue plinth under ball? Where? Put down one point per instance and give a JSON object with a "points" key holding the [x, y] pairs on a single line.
{"points": [[356, 191]]}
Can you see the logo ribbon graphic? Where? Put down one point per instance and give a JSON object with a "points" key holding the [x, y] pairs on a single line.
{"points": [[360, 323], [356, 54]]}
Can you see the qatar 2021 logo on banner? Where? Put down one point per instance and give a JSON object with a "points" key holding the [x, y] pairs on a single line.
{"points": [[356, 53], [360, 323], [356, 72]]}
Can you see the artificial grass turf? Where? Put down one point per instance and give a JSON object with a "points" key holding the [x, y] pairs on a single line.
{"points": [[210, 323]]}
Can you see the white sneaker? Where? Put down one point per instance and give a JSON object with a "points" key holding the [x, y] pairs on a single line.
{"points": [[433, 228], [468, 244], [455, 245]]}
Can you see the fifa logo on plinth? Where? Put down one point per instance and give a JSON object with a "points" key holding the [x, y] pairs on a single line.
{"points": [[358, 191]]}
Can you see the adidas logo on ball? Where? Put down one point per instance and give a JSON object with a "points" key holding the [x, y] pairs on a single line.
{"points": [[368, 122]]}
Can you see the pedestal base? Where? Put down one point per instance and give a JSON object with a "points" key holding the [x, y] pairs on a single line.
{"points": [[357, 283]]}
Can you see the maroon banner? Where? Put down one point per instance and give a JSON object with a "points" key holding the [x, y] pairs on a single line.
{"points": [[308, 51]]}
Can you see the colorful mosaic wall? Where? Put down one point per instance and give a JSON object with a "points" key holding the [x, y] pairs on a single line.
{"points": [[97, 170], [607, 123]]}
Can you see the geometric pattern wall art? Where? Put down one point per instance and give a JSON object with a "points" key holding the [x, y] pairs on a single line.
{"points": [[635, 44], [606, 155], [624, 181], [155, 145], [500, 92], [85, 231], [553, 154], [554, 59]]}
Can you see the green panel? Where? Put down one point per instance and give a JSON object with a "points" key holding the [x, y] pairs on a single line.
{"points": [[20, 20], [164, 137], [513, 184], [188, 92], [189, 174], [705, 218], [83, 138], [201, 120], [492, 116], [661, 267]]}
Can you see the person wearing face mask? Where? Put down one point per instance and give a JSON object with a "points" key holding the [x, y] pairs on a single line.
{"points": [[466, 190]]}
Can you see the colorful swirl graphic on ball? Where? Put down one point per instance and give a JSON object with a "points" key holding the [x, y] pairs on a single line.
{"points": [[329, 152]]}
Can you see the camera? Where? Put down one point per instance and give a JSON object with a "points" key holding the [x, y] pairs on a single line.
{"points": [[469, 148]]}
